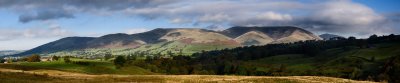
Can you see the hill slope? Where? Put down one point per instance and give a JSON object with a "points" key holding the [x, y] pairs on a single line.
{"points": [[9, 52], [69, 43]]}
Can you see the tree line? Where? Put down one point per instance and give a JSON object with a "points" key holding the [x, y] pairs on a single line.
{"points": [[235, 61]]}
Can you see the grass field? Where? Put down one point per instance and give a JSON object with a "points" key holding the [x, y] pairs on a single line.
{"points": [[105, 72], [50, 76], [94, 67]]}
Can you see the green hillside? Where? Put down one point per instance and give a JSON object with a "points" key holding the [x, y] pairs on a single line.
{"points": [[332, 61], [164, 48]]}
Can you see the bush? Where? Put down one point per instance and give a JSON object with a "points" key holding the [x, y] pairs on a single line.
{"points": [[81, 63], [2, 60], [66, 59], [55, 58], [34, 58], [107, 56], [119, 61]]}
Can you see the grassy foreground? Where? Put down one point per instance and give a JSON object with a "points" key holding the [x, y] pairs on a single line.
{"points": [[50, 76]]}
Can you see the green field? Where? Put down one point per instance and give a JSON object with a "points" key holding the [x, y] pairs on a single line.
{"points": [[105, 72], [94, 67]]}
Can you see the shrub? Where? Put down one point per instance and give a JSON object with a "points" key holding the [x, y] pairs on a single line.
{"points": [[55, 58], [34, 58], [81, 63], [107, 56], [119, 61], [66, 59], [2, 60]]}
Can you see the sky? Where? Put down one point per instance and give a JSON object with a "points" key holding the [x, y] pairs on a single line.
{"points": [[25, 24]]}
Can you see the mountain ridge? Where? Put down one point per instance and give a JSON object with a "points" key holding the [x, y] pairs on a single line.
{"points": [[250, 36]]}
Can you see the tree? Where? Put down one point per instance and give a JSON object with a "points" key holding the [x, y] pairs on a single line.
{"points": [[373, 36], [34, 58], [24, 59], [2, 60], [352, 38], [107, 56], [131, 57], [119, 61], [66, 59], [55, 58]]}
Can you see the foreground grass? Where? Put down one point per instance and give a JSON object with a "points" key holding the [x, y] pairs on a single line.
{"points": [[40, 77], [105, 72]]}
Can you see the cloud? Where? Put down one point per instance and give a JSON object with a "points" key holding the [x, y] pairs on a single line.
{"points": [[136, 30], [52, 31], [31, 10], [344, 17], [46, 15], [215, 27], [264, 19], [214, 18], [333, 16], [228, 11]]}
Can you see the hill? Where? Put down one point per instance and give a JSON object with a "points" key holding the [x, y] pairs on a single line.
{"points": [[9, 52], [327, 36], [186, 40], [69, 43]]}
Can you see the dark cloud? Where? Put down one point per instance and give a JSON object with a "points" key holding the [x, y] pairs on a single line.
{"points": [[393, 17], [45, 15], [54, 9], [86, 4], [335, 16]]}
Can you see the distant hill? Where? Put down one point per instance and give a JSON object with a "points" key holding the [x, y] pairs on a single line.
{"points": [[68, 43], [186, 39], [9, 52], [327, 36]]}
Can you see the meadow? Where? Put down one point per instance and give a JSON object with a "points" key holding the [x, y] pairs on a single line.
{"points": [[94, 67], [98, 71], [104, 72]]}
